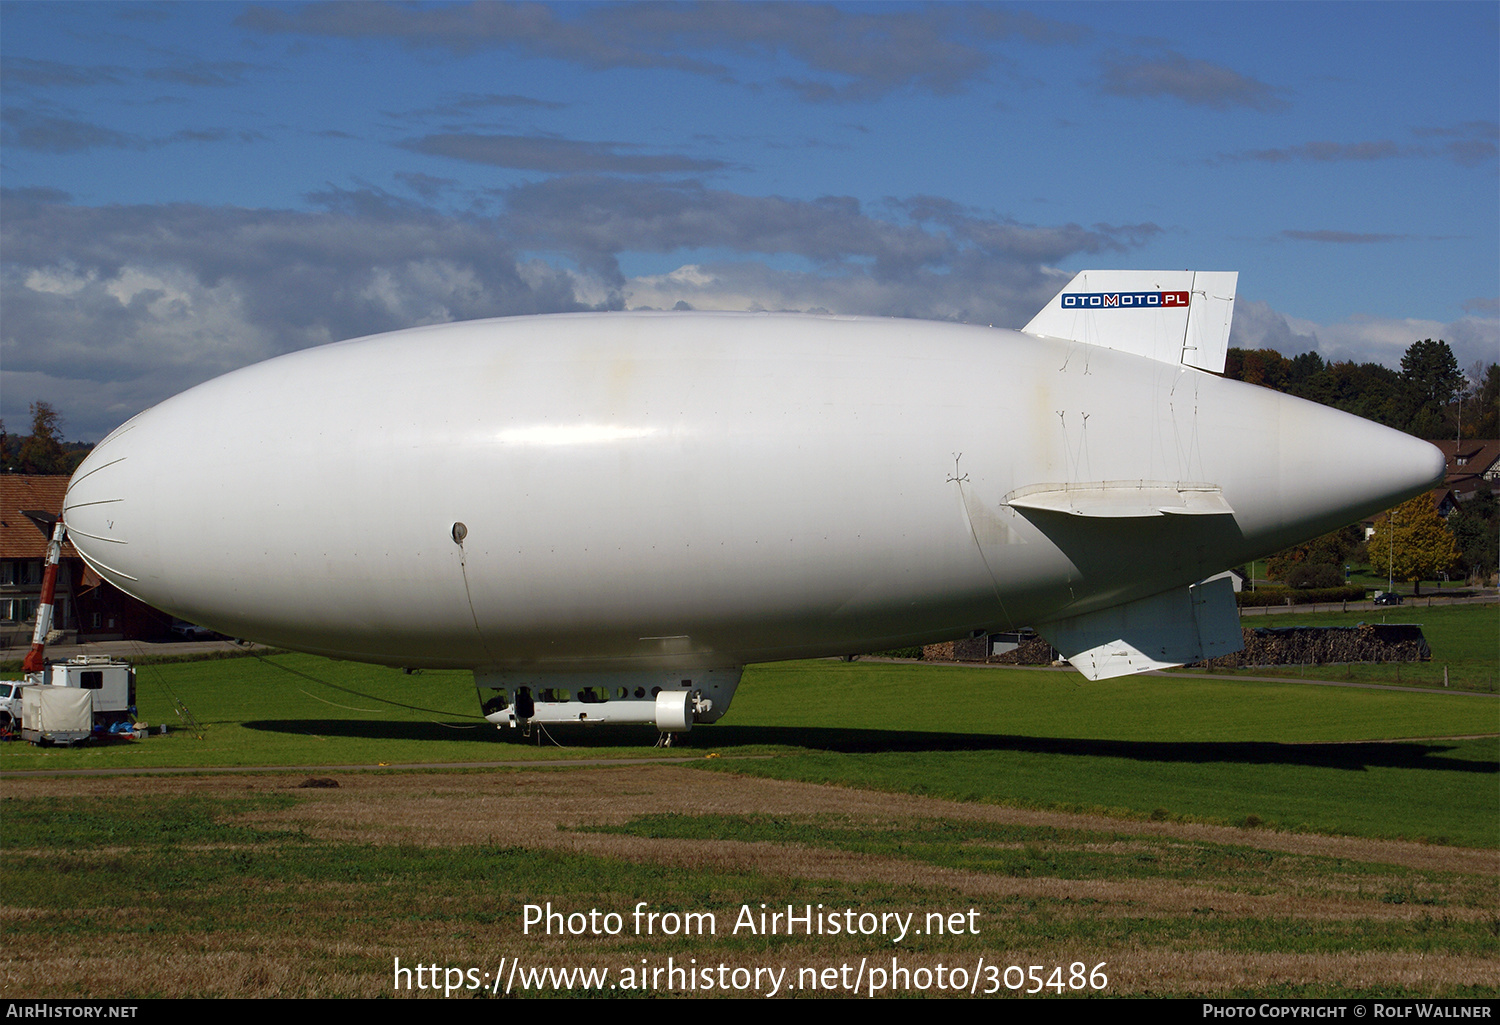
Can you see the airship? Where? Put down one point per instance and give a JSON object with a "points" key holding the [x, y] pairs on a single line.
{"points": [[606, 516]]}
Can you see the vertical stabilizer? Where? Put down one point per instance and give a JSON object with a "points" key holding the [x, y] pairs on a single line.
{"points": [[1179, 317], [1167, 629]]}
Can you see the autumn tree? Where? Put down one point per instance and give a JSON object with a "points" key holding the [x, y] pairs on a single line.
{"points": [[42, 452], [1413, 542]]}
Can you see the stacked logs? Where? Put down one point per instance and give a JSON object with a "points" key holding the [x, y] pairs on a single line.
{"points": [[1324, 645]]}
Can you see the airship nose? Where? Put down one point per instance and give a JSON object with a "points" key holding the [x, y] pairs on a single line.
{"points": [[1388, 464], [98, 507], [1335, 468]]}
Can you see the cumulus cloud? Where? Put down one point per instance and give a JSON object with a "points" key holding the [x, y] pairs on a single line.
{"points": [[974, 291], [1257, 326], [1190, 80], [1362, 339], [593, 219], [129, 304], [145, 301]]}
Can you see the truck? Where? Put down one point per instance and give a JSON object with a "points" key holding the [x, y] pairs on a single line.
{"points": [[69, 702], [66, 702]]}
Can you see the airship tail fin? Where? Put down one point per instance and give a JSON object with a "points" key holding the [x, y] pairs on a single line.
{"points": [[1172, 316], [1167, 629]]}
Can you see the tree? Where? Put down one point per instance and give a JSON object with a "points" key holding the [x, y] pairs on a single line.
{"points": [[1315, 574], [1431, 372], [1265, 367], [1482, 419], [43, 452], [1476, 531], [1423, 546], [1369, 390], [1296, 565]]}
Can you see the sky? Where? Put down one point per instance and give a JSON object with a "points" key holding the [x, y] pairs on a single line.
{"points": [[189, 188]]}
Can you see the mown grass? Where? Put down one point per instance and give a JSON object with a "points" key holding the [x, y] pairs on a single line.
{"points": [[293, 709], [1233, 752], [1438, 793], [248, 893], [195, 897], [1031, 851], [1218, 750]]}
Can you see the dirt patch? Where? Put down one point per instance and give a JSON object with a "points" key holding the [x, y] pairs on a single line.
{"points": [[552, 808]]}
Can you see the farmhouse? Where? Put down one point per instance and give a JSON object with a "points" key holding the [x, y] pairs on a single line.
{"points": [[86, 606]]}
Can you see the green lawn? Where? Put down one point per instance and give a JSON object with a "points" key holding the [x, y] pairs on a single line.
{"points": [[1231, 751], [1223, 750]]}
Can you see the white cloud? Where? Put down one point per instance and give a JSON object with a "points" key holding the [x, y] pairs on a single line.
{"points": [[62, 280], [1362, 338]]}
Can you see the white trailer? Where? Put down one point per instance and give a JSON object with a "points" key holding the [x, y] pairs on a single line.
{"points": [[70, 701], [56, 715]]}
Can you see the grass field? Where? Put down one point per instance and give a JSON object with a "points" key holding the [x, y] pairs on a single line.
{"points": [[1224, 750], [1196, 836], [242, 886], [1465, 641]]}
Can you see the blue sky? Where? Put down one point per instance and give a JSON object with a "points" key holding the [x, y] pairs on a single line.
{"points": [[189, 188]]}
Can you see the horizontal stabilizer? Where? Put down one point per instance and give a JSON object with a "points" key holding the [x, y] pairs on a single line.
{"points": [[1167, 629], [1178, 317], [1122, 499]]}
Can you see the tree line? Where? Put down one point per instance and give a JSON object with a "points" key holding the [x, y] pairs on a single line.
{"points": [[42, 451], [1429, 397]]}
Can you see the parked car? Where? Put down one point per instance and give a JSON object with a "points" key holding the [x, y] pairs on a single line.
{"points": [[1387, 598]]}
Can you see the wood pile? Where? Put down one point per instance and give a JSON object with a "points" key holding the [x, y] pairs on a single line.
{"points": [[1324, 645], [1033, 651]]}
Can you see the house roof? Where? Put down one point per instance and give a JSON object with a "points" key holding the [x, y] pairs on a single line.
{"points": [[1469, 457], [19, 537]]}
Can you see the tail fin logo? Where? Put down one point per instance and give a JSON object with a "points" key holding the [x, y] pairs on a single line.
{"points": [[1125, 300]]}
